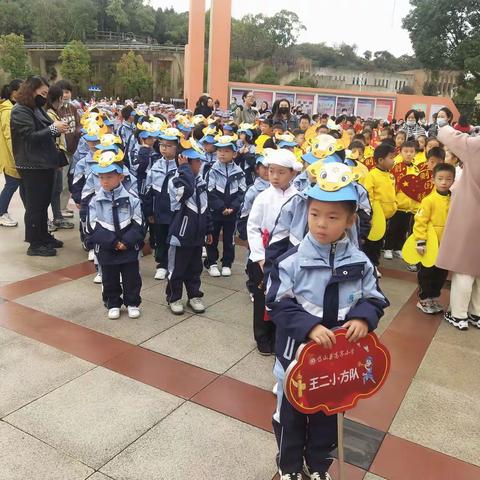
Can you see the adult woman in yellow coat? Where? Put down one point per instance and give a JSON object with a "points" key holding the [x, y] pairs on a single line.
{"points": [[7, 162]]}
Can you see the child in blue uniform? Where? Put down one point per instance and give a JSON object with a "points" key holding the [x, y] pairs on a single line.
{"points": [[190, 228], [156, 201], [226, 189], [116, 229], [324, 283]]}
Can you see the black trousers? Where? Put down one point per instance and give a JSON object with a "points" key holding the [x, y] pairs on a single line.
{"points": [[372, 250], [430, 281], [37, 187], [112, 286], [184, 267], [300, 436], [160, 232], [263, 331], [398, 230], [228, 230]]}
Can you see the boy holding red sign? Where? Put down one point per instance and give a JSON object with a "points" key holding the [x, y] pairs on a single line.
{"points": [[324, 283]]}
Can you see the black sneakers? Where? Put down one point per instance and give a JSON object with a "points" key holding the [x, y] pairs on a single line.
{"points": [[54, 243], [474, 320], [264, 349], [460, 323], [41, 251]]}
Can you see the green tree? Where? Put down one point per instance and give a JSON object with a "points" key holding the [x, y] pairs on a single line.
{"points": [[284, 27], [305, 81], [13, 55], [237, 72], [133, 74], [115, 10], [268, 75], [15, 17], [444, 33], [75, 63]]}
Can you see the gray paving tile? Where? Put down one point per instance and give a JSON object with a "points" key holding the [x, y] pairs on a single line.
{"points": [[95, 416], [7, 336], [194, 442], [23, 457], [29, 369], [203, 342], [99, 476], [254, 369], [236, 310], [212, 293], [81, 303], [371, 476], [441, 418]]}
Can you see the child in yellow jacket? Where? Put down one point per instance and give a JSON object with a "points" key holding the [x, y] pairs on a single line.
{"points": [[433, 209], [380, 185], [400, 224]]}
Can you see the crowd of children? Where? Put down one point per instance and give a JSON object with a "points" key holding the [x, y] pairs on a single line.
{"points": [[330, 195]]}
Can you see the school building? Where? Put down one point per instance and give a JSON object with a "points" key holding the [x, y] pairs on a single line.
{"points": [[333, 102]]}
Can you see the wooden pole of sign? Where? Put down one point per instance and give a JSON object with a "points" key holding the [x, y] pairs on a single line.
{"points": [[340, 447]]}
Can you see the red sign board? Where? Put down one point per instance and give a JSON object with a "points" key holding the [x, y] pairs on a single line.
{"points": [[332, 381]]}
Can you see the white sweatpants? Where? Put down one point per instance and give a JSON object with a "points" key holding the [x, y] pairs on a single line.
{"points": [[465, 295]]}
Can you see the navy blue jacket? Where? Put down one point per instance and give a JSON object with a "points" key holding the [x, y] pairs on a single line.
{"points": [[316, 284], [226, 189], [114, 217], [191, 220]]}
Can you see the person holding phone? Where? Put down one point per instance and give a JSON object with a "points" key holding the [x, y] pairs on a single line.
{"points": [[36, 159]]}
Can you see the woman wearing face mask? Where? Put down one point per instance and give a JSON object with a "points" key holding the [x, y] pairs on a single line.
{"points": [[54, 102], [411, 126], [36, 158], [7, 162], [282, 114], [443, 117]]}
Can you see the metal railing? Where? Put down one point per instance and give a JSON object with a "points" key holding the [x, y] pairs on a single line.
{"points": [[109, 46]]}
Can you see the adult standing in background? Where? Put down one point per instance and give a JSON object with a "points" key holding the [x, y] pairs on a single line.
{"points": [[68, 113], [282, 114], [459, 249], [411, 127], [245, 113], [36, 158], [7, 162], [204, 106]]}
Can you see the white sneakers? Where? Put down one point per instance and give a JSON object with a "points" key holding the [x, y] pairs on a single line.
{"points": [[133, 312], [177, 307], [7, 221], [397, 254], [388, 255], [114, 313], [226, 272], [98, 278], [196, 304], [91, 255], [213, 271], [160, 274], [379, 274]]}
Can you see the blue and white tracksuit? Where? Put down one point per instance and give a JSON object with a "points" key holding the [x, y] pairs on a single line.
{"points": [[156, 203], [113, 217], [309, 285], [189, 226], [226, 189]]}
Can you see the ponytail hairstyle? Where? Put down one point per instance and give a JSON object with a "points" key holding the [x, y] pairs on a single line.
{"points": [[9, 88]]}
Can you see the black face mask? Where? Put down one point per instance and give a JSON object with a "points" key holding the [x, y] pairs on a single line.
{"points": [[40, 101], [283, 110]]}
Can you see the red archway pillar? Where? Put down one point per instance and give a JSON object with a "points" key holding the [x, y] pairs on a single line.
{"points": [[194, 53], [219, 51]]}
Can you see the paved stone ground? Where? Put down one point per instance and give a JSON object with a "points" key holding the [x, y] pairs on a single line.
{"points": [[167, 397]]}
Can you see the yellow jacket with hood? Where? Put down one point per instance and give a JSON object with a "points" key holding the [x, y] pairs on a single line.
{"points": [[7, 162]]}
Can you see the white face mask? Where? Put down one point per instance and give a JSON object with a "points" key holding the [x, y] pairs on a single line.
{"points": [[441, 122], [411, 123]]}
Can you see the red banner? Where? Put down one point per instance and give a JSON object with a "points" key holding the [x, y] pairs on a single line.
{"points": [[332, 381]]}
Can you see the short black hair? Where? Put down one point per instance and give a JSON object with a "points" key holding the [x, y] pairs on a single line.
{"points": [[325, 116], [437, 152], [389, 141], [305, 116], [357, 144], [298, 131], [359, 136], [401, 132], [278, 125], [444, 167], [349, 205], [382, 151], [126, 111], [409, 144], [64, 85]]}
